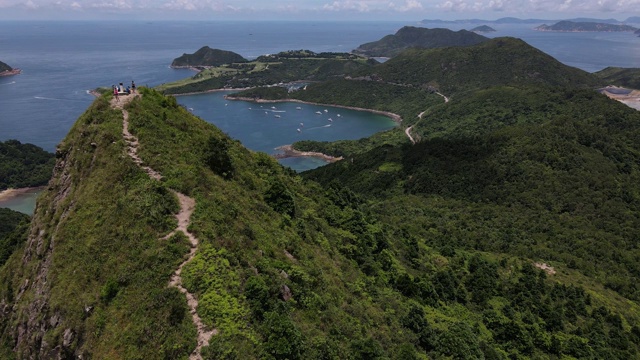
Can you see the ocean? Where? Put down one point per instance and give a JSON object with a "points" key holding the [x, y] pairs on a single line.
{"points": [[62, 61]]}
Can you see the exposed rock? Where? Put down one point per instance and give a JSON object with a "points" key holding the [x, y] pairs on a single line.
{"points": [[285, 293]]}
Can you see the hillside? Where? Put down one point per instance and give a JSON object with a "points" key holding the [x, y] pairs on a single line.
{"points": [[207, 57], [570, 26], [626, 77], [483, 29], [267, 70], [24, 165], [416, 37], [499, 61], [282, 267]]}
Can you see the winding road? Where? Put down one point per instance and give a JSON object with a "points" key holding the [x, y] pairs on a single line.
{"points": [[407, 131]]}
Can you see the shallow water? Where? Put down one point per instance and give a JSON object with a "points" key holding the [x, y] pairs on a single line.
{"points": [[24, 203]]}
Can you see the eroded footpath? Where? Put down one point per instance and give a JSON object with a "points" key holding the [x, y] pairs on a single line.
{"points": [[187, 206]]}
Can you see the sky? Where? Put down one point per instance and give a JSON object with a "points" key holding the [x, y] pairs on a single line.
{"points": [[401, 10]]}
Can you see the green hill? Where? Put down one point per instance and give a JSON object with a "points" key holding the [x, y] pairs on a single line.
{"points": [[24, 165], [207, 57], [416, 37], [483, 29], [627, 77], [499, 61]]}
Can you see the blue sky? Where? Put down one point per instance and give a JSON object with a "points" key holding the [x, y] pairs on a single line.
{"points": [[405, 10]]}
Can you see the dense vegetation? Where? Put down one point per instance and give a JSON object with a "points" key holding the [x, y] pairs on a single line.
{"points": [[627, 77], [417, 37], [24, 165], [13, 226], [499, 61], [273, 69], [206, 57], [4, 67]]}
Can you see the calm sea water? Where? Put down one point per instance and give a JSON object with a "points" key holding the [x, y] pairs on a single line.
{"points": [[61, 61]]}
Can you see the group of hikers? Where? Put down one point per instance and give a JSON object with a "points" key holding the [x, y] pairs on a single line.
{"points": [[120, 89]]}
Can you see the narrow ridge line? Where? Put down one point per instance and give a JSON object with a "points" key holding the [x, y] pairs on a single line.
{"points": [[187, 206]]}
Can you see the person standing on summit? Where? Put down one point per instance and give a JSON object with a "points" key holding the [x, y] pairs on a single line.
{"points": [[133, 87]]}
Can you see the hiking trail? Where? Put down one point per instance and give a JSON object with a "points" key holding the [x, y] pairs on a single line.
{"points": [[187, 206]]}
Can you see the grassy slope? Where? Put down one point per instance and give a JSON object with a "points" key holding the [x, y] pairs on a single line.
{"points": [[627, 77], [108, 256]]}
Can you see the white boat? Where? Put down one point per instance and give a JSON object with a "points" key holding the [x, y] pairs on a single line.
{"points": [[298, 108], [318, 112], [330, 119], [273, 107], [277, 116], [301, 124], [299, 130], [338, 115], [325, 110]]}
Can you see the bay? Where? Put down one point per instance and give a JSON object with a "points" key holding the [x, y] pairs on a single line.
{"points": [[62, 61]]}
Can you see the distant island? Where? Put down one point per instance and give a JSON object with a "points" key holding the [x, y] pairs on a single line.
{"points": [[483, 29], [513, 20], [6, 70], [418, 37], [207, 57], [570, 26]]}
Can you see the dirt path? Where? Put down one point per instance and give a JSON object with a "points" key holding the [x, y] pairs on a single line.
{"points": [[187, 206]]}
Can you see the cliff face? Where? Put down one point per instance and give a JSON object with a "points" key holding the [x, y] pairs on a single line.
{"points": [[31, 314]]}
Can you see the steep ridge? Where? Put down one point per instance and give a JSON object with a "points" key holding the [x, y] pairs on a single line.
{"points": [[187, 205]]}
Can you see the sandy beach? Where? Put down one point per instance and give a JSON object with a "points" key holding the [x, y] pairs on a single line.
{"points": [[9, 194], [628, 97], [289, 151]]}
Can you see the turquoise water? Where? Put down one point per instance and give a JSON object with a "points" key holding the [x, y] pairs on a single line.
{"points": [[266, 126], [24, 203]]}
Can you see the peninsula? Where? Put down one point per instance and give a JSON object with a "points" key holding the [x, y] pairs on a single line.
{"points": [[207, 57]]}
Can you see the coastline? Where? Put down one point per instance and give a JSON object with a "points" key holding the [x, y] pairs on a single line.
{"points": [[289, 151], [11, 72], [9, 194], [395, 117]]}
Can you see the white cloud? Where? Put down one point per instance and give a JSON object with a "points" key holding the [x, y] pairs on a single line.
{"points": [[378, 9], [347, 5], [409, 5]]}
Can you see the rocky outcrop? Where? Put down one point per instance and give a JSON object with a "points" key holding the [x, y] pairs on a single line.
{"points": [[31, 313]]}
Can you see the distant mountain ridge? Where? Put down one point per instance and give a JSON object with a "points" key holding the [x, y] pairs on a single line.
{"points": [[570, 26], [206, 57], [410, 36], [513, 20]]}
